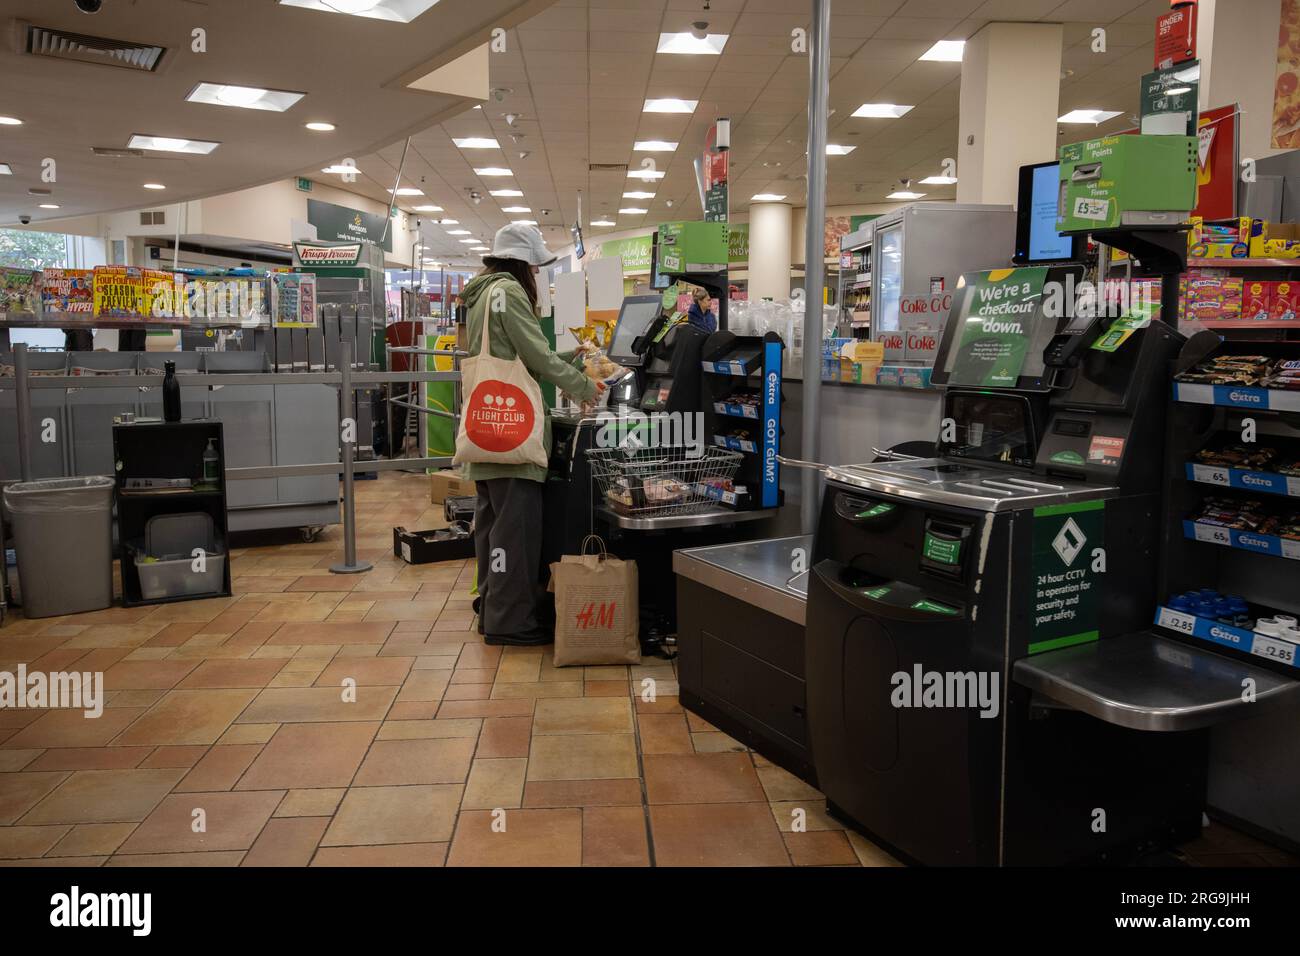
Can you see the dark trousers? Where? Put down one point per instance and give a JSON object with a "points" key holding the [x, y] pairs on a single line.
{"points": [[508, 545]]}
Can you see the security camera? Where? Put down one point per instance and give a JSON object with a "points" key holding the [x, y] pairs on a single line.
{"points": [[89, 6], [476, 196], [700, 29], [25, 219]]}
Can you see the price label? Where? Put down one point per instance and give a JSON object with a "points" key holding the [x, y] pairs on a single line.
{"points": [[1177, 621], [1273, 649], [1213, 534], [1293, 487], [1210, 475], [1290, 549]]}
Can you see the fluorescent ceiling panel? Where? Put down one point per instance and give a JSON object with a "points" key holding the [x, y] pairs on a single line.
{"points": [[945, 51], [169, 144], [396, 11], [709, 45], [1088, 116], [669, 105], [881, 111], [244, 97], [477, 142]]}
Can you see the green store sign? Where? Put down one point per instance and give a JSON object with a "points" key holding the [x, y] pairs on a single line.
{"points": [[336, 223], [636, 250]]}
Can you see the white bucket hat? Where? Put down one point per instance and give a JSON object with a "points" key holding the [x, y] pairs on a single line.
{"points": [[521, 241]]}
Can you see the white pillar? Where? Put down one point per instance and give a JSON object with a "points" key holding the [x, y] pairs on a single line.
{"points": [[1236, 41], [1010, 86], [769, 250]]}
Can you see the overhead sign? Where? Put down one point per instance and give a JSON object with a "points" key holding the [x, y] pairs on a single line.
{"points": [[715, 179], [336, 223], [340, 254], [1176, 36], [1168, 100]]}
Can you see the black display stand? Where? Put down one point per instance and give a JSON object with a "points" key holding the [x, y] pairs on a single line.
{"points": [[160, 450], [742, 399]]}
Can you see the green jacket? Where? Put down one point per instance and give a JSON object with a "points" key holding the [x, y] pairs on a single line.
{"points": [[516, 333]]}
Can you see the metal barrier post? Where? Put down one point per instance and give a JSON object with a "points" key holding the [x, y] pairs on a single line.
{"points": [[350, 564], [23, 390]]}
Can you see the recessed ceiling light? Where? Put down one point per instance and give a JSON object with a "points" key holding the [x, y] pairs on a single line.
{"points": [[476, 142], [398, 11], [442, 222], [881, 110], [516, 209], [602, 222], [505, 192], [10, 121], [638, 195], [945, 51], [633, 211], [49, 205], [480, 249], [430, 208], [904, 194], [341, 169], [407, 191], [320, 127], [244, 97], [168, 144], [653, 146], [938, 180], [154, 186], [458, 232], [5, 170], [470, 242], [1088, 116], [766, 197], [523, 222], [669, 105], [493, 171], [710, 44], [645, 174], [834, 149]]}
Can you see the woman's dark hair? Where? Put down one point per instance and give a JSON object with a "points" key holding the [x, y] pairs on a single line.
{"points": [[518, 270]]}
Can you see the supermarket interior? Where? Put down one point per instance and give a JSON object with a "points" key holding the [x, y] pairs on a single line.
{"points": [[650, 433]]}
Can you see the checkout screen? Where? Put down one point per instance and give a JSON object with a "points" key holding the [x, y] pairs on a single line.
{"points": [[991, 428], [1045, 243]]}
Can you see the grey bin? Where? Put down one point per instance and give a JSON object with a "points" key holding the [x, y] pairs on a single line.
{"points": [[63, 532]]}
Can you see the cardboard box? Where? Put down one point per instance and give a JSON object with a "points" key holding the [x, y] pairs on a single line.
{"points": [[449, 484], [1274, 240], [1257, 299], [1214, 298], [1284, 304], [1126, 181], [693, 247]]}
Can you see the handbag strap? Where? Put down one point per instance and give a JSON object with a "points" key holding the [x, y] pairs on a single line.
{"points": [[487, 317], [603, 553]]}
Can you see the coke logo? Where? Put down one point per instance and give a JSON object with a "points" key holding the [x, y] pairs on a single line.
{"points": [[923, 342], [498, 417], [892, 340], [922, 305]]}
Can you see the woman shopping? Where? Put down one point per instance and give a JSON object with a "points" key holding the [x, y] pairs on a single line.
{"points": [[504, 439]]}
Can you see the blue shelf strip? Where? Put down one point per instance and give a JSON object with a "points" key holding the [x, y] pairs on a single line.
{"points": [[1264, 482], [735, 444], [736, 411], [731, 368], [1269, 544], [1238, 396], [1225, 635]]}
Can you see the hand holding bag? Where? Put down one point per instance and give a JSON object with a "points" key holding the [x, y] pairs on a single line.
{"points": [[502, 417], [597, 619]]}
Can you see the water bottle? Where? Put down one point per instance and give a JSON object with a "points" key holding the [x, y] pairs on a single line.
{"points": [[171, 394], [211, 464]]}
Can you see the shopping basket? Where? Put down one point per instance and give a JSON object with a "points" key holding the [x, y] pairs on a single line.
{"points": [[657, 482]]}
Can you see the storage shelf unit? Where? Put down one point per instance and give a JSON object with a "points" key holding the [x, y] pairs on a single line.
{"points": [[753, 364]]}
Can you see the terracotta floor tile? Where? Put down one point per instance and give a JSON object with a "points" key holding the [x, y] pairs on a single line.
{"points": [[371, 815], [72, 728], [220, 768], [868, 853], [583, 757], [288, 842], [218, 858], [421, 610], [418, 761], [664, 734], [104, 796], [146, 675], [188, 717], [181, 758], [20, 717], [12, 761], [367, 672], [233, 821], [716, 742], [324, 582], [505, 737], [583, 715], [486, 708], [479, 655], [310, 755], [495, 783], [820, 848], [119, 637], [701, 778], [717, 834], [331, 633], [174, 635], [473, 675], [520, 666], [136, 698], [531, 838], [90, 758], [468, 692], [253, 634], [660, 705], [299, 704], [780, 784], [92, 839], [582, 793], [248, 734], [614, 836], [812, 814], [537, 690], [424, 685], [310, 803], [605, 688], [414, 710], [231, 674], [428, 729], [403, 854], [19, 842]]}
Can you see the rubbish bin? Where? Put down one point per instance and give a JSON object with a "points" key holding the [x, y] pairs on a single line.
{"points": [[63, 532]]}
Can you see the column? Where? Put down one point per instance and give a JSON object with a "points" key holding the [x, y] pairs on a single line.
{"points": [[769, 250], [1236, 41], [1010, 86]]}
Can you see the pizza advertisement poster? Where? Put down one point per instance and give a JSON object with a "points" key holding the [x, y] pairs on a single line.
{"points": [[1286, 89]]}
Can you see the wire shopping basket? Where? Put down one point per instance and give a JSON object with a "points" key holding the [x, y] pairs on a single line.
{"points": [[657, 482]]}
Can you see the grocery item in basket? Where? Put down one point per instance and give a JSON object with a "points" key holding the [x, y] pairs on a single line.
{"points": [[664, 491]]}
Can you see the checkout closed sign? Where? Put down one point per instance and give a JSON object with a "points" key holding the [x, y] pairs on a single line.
{"points": [[1068, 570]]}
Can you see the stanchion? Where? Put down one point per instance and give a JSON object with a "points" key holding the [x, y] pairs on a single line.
{"points": [[22, 389], [350, 564]]}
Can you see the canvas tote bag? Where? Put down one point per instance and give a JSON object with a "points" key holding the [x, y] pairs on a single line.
{"points": [[597, 620], [502, 416]]}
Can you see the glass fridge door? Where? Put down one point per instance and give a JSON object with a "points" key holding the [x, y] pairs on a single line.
{"points": [[887, 278]]}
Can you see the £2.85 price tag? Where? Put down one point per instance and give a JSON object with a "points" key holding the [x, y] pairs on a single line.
{"points": [[1213, 534], [1210, 475], [1177, 621], [1273, 649]]}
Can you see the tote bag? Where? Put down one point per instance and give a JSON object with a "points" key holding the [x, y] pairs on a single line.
{"points": [[597, 617], [501, 418]]}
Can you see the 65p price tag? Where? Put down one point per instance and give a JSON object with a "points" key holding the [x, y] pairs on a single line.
{"points": [[1213, 534], [1210, 475]]}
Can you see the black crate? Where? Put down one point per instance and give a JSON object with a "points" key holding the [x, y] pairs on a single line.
{"points": [[439, 544]]}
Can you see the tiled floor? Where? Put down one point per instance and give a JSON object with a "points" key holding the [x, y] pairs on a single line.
{"points": [[326, 720]]}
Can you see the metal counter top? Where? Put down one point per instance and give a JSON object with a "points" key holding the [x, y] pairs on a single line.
{"points": [[1146, 682], [711, 518], [757, 572], [965, 485]]}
